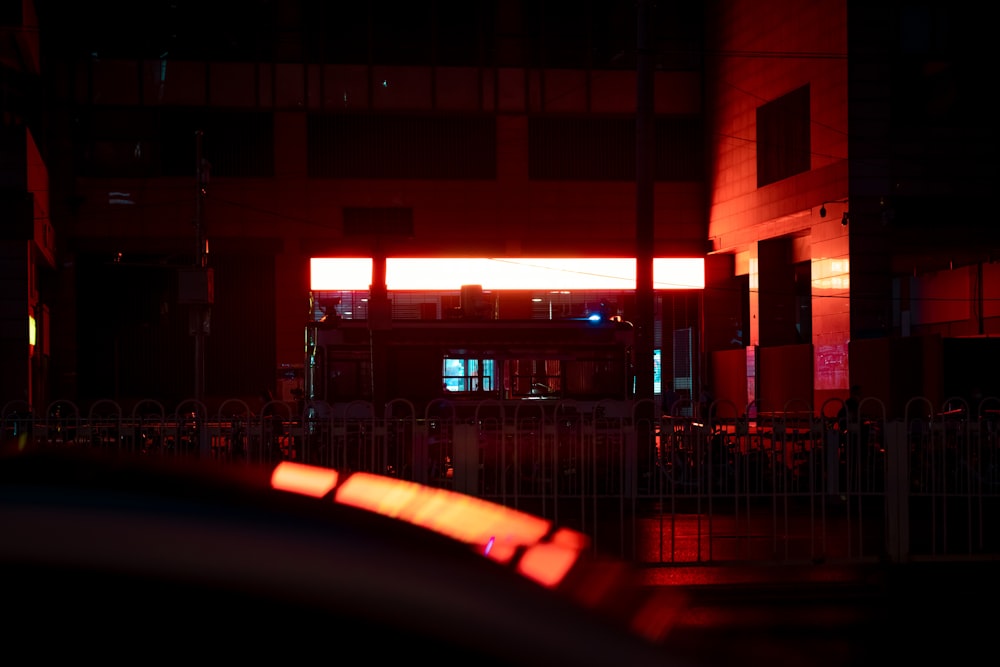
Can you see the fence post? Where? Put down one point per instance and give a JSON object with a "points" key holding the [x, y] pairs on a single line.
{"points": [[420, 454], [630, 463], [832, 449], [897, 492]]}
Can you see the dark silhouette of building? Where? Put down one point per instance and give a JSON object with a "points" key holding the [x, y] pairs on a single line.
{"points": [[828, 160]]}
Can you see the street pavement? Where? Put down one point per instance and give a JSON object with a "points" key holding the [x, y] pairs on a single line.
{"points": [[833, 616]]}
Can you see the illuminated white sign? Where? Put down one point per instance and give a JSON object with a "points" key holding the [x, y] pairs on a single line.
{"points": [[340, 274], [494, 273]]}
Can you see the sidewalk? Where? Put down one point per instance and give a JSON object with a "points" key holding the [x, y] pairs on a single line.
{"points": [[828, 616]]}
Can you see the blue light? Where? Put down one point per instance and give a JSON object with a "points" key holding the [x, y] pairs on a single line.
{"points": [[594, 317]]}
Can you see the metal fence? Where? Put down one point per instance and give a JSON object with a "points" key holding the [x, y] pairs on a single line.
{"points": [[740, 486]]}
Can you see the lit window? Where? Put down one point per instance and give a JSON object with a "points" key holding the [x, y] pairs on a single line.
{"points": [[467, 375]]}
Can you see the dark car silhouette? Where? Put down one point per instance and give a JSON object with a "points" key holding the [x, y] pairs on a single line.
{"points": [[125, 559]]}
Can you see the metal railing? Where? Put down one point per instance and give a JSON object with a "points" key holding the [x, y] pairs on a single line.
{"points": [[744, 486]]}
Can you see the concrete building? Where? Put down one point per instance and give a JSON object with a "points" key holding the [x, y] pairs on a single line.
{"points": [[27, 236], [828, 160]]}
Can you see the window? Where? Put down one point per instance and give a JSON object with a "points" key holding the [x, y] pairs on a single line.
{"points": [[373, 220], [783, 147], [468, 375], [118, 141], [536, 377], [575, 148], [348, 377], [402, 146], [603, 148], [236, 144]]}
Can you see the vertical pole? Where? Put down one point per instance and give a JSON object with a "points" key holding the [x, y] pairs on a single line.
{"points": [[644, 253], [644, 224], [200, 263], [201, 301], [897, 490], [379, 321]]}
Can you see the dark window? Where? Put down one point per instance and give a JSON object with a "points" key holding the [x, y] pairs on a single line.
{"points": [[11, 14], [803, 301], [348, 376], [137, 142], [680, 149], [134, 336], [337, 32], [783, 137], [676, 34], [129, 335], [217, 30], [940, 67], [565, 32], [603, 149], [116, 141], [220, 30], [593, 149], [445, 32], [241, 352], [535, 377], [235, 144], [402, 35], [461, 31], [394, 221], [599, 35], [371, 146], [595, 378], [549, 33]]}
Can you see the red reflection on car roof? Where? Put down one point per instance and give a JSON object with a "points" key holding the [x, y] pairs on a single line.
{"points": [[531, 544]]}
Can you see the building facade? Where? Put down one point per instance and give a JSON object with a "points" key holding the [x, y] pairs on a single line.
{"points": [[27, 235], [812, 154]]}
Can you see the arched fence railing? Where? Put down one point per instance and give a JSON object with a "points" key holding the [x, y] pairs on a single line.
{"points": [[740, 483]]}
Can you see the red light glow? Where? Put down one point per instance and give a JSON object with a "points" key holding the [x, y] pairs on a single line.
{"points": [[307, 480], [548, 562], [520, 274], [492, 273], [349, 273], [498, 532], [462, 517]]}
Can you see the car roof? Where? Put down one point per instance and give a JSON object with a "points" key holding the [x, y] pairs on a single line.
{"points": [[167, 548]]}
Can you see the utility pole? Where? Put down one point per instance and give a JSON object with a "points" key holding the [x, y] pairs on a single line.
{"points": [[201, 262], [644, 223], [195, 283], [379, 323], [641, 452], [195, 289]]}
